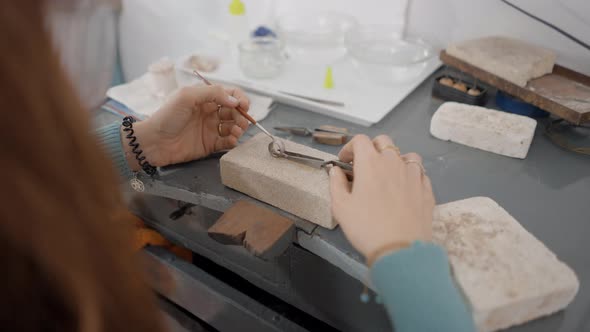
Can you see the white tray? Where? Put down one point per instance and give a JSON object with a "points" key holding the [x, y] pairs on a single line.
{"points": [[366, 102]]}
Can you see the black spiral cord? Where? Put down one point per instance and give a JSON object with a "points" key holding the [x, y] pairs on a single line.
{"points": [[128, 128]]}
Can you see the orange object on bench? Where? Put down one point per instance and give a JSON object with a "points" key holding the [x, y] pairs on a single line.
{"points": [[144, 236]]}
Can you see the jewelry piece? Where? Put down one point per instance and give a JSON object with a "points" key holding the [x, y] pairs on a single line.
{"points": [[390, 147], [411, 161], [219, 111], [136, 184], [219, 128]]}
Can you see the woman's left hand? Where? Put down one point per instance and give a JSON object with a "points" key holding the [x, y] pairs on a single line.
{"points": [[195, 122]]}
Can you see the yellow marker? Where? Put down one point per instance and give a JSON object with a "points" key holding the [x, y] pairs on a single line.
{"points": [[329, 80], [237, 8]]}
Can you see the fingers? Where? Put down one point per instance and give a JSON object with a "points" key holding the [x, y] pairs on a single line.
{"points": [[226, 143], [237, 131], [412, 156], [360, 146], [210, 107], [239, 94], [229, 128], [416, 175], [386, 148], [339, 189], [201, 94], [414, 168], [230, 114], [383, 143], [427, 185]]}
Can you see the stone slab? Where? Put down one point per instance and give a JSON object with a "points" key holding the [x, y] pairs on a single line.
{"points": [[508, 276], [482, 128], [511, 59], [296, 188]]}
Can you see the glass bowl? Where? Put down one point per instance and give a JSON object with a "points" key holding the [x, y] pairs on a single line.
{"points": [[382, 53], [261, 57], [315, 37]]}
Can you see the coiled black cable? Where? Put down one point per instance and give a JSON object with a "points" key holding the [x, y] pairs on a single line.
{"points": [[143, 163]]}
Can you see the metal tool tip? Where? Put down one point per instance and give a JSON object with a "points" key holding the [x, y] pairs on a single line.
{"points": [[265, 131]]}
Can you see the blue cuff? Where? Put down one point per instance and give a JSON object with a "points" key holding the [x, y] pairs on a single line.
{"points": [[419, 292], [109, 138]]}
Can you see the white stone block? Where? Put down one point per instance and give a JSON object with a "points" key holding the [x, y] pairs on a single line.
{"points": [[508, 276], [511, 59], [296, 188], [482, 128]]}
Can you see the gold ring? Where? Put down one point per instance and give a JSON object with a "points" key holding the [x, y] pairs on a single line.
{"points": [[219, 128], [411, 161], [219, 111], [390, 147]]}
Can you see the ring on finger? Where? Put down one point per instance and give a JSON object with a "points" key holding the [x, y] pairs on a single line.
{"points": [[219, 128], [390, 147], [218, 110], [411, 161]]}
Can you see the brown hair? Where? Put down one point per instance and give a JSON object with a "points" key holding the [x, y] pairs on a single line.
{"points": [[67, 264]]}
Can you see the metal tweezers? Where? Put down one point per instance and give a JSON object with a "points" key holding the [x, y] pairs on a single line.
{"points": [[277, 149]]}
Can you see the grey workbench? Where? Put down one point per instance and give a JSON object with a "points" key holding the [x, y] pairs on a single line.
{"points": [[548, 192]]}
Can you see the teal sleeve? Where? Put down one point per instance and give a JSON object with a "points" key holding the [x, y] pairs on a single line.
{"points": [[109, 138], [418, 291]]}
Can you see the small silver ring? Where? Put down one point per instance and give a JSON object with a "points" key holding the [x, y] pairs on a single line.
{"points": [[276, 148]]}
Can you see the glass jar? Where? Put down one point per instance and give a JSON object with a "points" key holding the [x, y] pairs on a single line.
{"points": [[261, 57]]}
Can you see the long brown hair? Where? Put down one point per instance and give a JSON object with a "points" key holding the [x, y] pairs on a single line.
{"points": [[66, 263]]}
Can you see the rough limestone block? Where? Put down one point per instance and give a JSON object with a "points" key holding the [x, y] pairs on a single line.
{"points": [[296, 188], [482, 128], [510, 59], [508, 276]]}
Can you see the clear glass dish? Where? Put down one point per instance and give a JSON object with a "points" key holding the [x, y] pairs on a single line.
{"points": [[261, 57], [315, 37], [383, 54]]}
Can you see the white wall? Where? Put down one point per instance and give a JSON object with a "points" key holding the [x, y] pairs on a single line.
{"points": [[473, 18], [154, 28]]}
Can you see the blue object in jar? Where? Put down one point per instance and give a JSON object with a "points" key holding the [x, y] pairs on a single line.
{"points": [[263, 31], [514, 105]]}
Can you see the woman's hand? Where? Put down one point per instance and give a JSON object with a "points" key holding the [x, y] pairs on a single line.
{"points": [[390, 201], [187, 127]]}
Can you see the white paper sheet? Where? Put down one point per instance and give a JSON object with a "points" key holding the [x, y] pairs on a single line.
{"points": [[136, 96]]}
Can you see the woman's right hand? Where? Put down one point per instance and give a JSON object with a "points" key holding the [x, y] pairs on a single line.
{"points": [[390, 201]]}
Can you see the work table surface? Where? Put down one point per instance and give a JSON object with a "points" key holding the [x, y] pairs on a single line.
{"points": [[548, 192]]}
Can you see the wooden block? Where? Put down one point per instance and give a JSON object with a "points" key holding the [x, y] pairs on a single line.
{"points": [[513, 60], [508, 276], [299, 189], [571, 94], [263, 232], [489, 130], [329, 138], [547, 99], [334, 129]]}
